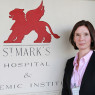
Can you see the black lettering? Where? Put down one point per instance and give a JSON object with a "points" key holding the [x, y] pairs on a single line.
{"points": [[6, 65], [19, 52], [48, 51], [25, 52], [5, 51], [32, 51], [38, 51]]}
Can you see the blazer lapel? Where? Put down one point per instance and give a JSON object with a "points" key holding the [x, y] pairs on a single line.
{"points": [[70, 74], [89, 69]]}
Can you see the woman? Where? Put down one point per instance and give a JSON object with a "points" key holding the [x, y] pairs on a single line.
{"points": [[79, 76]]}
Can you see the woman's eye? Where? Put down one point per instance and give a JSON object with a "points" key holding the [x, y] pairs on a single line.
{"points": [[86, 34], [77, 35]]}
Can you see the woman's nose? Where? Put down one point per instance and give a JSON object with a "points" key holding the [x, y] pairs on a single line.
{"points": [[82, 37]]}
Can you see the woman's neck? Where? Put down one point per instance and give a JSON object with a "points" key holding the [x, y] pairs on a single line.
{"points": [[82, 53]]}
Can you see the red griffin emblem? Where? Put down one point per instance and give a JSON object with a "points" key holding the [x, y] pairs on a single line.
{"points": [[25, 23]]}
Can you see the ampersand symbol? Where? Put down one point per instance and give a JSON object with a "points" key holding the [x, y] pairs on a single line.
{"points": [[27, 75]]}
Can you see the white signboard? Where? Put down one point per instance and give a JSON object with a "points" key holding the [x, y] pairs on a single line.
{"points": [[27, 64]]}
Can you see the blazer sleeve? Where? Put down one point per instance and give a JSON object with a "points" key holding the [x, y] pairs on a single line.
{"points": [[65, 90]]}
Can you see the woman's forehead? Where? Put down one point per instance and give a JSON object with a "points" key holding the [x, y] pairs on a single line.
{"points": [[82, 29]]}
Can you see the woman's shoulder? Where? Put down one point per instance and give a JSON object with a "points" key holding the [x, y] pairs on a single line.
{"points": [[70, 59], [70, 62]]}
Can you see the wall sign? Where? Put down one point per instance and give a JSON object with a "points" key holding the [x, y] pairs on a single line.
{"points": [[27, 68]]}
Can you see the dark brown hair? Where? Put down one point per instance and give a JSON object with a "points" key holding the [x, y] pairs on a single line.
{"points": [[91, 31]]}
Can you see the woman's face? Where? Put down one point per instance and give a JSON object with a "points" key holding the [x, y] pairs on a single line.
{"points": [[82, 38]]}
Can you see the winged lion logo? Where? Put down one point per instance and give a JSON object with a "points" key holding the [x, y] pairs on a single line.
{"points": [[26, 23]]}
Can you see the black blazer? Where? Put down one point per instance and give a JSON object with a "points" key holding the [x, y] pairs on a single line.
{"points": [[88, 82]]}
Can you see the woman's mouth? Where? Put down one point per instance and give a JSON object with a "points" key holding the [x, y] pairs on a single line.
{"points": [[81, 43]]}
